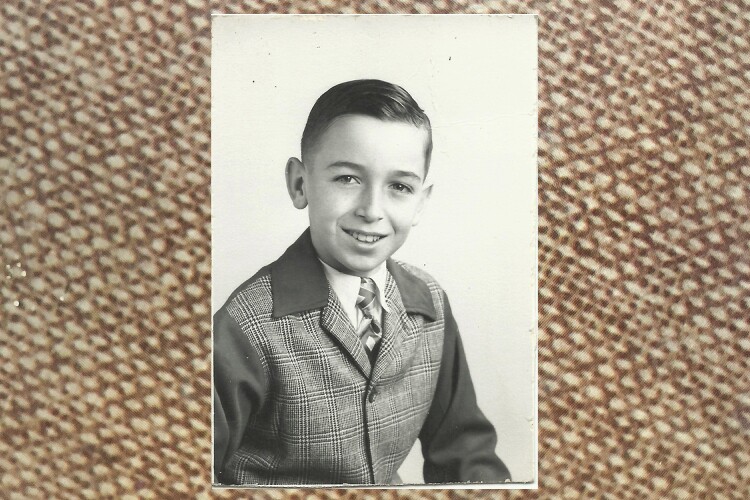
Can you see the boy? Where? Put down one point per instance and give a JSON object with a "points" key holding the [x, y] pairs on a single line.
{"points": [[330, 362]]}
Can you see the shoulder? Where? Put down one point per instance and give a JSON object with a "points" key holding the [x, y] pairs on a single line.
{"points": [[420, 292], [420, 274], [253, 296]]}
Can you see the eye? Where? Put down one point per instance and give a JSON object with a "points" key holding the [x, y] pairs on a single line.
{"points": [[402, 188], [346, 179]]}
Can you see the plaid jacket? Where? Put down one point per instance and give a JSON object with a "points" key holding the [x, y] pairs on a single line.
{"points": [[297, 402]]}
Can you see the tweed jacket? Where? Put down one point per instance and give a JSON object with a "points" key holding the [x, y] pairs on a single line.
{"points": [[296, 400]]}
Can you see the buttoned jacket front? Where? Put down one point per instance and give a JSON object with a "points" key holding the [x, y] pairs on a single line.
{"points": [[297, 400]]}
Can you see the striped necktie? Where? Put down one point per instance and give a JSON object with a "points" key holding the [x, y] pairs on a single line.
{"points": [[369, 328]]}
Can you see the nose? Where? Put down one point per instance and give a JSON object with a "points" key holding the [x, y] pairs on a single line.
{"points": [[370, 206]]}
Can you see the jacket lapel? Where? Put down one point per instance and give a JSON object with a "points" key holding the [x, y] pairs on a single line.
{"points": [[335, 321], [407, 297], [396, 330], [299, 284]]}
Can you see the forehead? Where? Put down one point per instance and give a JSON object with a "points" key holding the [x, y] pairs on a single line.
{"points": [[372, 142]]}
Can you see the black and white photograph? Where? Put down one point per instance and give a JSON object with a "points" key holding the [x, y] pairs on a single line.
{"points": [[374, 250]]}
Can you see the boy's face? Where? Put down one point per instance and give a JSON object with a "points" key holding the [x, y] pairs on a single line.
{"points": [[363, 184]]}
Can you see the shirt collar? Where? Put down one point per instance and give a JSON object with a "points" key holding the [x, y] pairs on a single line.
{"points": [[298, 282], [347, 286]]}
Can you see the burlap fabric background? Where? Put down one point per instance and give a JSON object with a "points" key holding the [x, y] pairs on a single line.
{"points": [[644, 253]]}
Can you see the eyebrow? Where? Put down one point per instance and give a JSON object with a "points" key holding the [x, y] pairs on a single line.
{"points": [[357, 166]]}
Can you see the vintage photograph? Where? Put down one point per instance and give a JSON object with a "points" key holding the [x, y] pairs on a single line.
{"points": [[374, 267]]}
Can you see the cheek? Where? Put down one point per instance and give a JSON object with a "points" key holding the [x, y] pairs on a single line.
{"points": [[403, 214], [328, 206], [403, 228]]}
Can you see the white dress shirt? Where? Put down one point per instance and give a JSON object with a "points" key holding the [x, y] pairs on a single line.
{"points": [[347, 286]]}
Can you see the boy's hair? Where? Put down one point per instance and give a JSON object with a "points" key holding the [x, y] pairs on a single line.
{"points": [[376, 98]]}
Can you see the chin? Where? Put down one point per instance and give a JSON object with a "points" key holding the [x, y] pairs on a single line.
{"points": [[360, 267]]}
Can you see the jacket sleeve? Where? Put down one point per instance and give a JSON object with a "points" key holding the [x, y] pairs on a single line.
{"points": [[239, 388], [458, 442]]}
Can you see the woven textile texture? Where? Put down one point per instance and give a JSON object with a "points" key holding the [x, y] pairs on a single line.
{"points": [[644, 248]]}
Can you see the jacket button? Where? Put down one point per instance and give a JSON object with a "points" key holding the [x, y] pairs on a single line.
{"points": [[373, 393]]}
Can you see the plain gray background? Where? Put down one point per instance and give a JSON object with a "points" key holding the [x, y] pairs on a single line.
{"points": [[475, 76]]}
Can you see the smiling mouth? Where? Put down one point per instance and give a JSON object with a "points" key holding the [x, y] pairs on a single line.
{"points": [[363, 237]]}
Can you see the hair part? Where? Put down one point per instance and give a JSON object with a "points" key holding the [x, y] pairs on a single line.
{"points": [[375, 98]]}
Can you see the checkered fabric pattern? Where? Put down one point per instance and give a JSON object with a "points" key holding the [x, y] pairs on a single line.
{"points": [[643, 248], [322, 414]]}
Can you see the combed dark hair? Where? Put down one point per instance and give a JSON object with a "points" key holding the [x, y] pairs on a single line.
{"points": [[375, 98]]}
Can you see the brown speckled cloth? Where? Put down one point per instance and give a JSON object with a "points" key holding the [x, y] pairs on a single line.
{"points": [[644, 248]]}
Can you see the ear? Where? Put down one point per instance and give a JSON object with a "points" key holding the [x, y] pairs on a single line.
{"points": [[295, 182], [425, 195]]}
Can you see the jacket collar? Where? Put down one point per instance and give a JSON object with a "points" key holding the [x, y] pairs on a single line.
{"points": [[298, 283]]}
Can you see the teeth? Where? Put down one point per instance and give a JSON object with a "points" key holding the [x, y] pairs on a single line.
{"points": [[364, 237]]}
